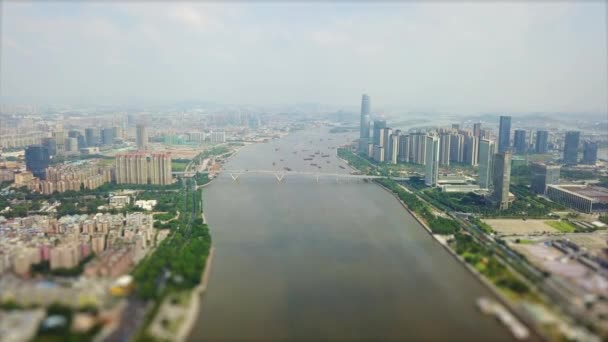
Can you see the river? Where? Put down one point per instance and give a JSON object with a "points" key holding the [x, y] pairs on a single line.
{"points": [[302, 260]]}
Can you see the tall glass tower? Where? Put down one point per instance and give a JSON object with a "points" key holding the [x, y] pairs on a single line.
{"points": [[504, 134]]}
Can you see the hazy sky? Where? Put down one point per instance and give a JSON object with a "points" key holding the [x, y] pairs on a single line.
{"points": [[502, 56]]}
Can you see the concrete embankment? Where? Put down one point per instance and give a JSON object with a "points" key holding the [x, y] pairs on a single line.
{"points": [[195, 300]]}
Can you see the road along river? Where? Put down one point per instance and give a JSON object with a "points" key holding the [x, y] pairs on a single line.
{"points": [[302, 260]]}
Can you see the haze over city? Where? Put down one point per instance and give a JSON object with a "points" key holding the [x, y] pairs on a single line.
{"points": [[303, 171], [464, 57]]}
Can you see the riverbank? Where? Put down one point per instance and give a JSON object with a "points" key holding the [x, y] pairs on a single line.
{"points": [[195, 300], [480, 277]]}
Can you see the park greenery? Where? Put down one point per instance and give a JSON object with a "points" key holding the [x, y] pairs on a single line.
{"points": [[563, 226], [437, 224], [486, 263], [179, 165], [179, 260], [213, 151], [526, 203], [356, 161]]}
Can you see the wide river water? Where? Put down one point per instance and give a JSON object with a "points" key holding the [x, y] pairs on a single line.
{"points": [[301, 260]]}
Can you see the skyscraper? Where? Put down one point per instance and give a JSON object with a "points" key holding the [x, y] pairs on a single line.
{"points": [[543, 175], [542, 140], [504, 134], [486, 154], [477, 129], [501, 179], [107, 136], [571, 147], [432, 161], [37, 159], [91, 136], [590, 153], [519, 141], [142, 137], [365, 120]]}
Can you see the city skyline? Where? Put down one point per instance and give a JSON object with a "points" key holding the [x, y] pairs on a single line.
{"points": [[115, 53]]}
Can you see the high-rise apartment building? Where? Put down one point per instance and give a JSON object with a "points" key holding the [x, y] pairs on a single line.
{"points": [[590, 153], [486, 155], [542, 142], [432, 161], [501, 179], [519, 141], [457, 148], [571, 147], [379, 125], [141, 137], [218, 137], [394, 148], [504, 134], [37, 159], [444, 149], [143, 168], [471, 149], [404, 148]]}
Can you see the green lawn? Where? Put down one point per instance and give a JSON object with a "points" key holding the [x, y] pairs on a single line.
{"points": [[562, 226], [178, 166]]}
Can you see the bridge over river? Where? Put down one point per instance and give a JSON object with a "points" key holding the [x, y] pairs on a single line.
{"points": [[281, 174]]}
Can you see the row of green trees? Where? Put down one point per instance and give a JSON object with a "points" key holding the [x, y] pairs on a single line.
{"points": [[484, 261], [178, 262], [437, 224]]}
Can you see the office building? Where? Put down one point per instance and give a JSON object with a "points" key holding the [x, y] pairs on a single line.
{"points": [[51, 145], [72, 145], [37, 159], [477, 129], [590, 153], [91, 136], [501, 179], [107, 136], [141, 137], [143, 168], [444, 149], [519, 141], [542, 142], [471, 149], [571, 147], [486, 155], [542, 176], [504, 134], [365, 122], [432, 161]]}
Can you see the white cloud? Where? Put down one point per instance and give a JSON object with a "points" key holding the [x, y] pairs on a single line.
{"points": [[498, 56]]}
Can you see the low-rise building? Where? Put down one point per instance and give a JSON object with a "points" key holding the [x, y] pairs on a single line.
{"points": [[583, 198]]}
